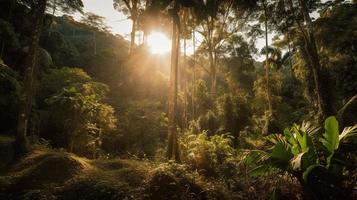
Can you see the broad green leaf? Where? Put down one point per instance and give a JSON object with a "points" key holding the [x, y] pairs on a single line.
{"points": [[292, 141], [330, 138]]}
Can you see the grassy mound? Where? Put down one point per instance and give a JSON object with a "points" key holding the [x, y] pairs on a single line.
{"points": [[87, 188], [42, 170], [174, 181], [53, 175]]}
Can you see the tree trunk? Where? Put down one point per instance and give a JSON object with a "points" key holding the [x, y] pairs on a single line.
{"points": [[132, 35], [194, 76], [211, 56], [324, 106], [172, 151], [269, 113], [94, 43], [21, 143], [184, 75]]}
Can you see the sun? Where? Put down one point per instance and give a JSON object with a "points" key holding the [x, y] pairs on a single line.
{"points": [[158, 43]]}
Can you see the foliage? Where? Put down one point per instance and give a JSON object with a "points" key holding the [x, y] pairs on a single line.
{"points": [[8, 35], [295, 152], [202, 97], [77, 109], [234, 112], [9, 96], [212, 154], [142, 129]]}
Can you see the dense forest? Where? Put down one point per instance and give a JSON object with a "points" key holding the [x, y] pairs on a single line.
{"points": [[256, 99]]}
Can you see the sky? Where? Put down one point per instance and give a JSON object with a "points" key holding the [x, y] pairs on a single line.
{"points": [[120, 24]]}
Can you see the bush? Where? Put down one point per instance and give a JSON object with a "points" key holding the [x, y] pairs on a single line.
{"points": [[79, 117], [323, 175], [213, 155]]}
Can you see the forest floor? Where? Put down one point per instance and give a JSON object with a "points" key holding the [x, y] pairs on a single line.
{"points": [[47, 174]]}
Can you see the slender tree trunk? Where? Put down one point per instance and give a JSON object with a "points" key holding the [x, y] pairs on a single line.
{"points": [[172, 151], [21, 144], [211, 58], [325, 108], [268, 92], [184, 75], [194, 76], [94, 43], [132, 36]]}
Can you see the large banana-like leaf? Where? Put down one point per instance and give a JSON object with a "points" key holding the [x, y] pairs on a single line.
{"points": [[330, 138]]}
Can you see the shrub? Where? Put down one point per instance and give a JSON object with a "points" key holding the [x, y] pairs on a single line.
{"points": [[323, 175], [210, 154], [79, 115]]}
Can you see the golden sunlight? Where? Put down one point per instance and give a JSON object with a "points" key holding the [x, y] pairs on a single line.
{"points": [[158, 43]]}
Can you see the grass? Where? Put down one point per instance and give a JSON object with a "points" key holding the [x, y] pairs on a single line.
{"points": [[48, 174]]}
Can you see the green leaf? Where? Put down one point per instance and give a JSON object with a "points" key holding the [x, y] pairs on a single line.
{"points": [[281, 156], [330, 138], [259, 171]]}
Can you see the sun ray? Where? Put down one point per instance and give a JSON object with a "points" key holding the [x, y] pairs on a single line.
{"points": [[159, 43]]}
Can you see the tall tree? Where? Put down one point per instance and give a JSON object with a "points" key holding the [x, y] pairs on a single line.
{"points": [[96, 22], [38, 8], [269, 112], [172, 151], [219, 20], [133, 8], [324, 107], [64, 6], [215, 21]]}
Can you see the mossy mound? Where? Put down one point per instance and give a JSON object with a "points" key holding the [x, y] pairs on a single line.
{"points": [[164, 186], [56, 175], [174, 181], [42, 170], [92, 189]]}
